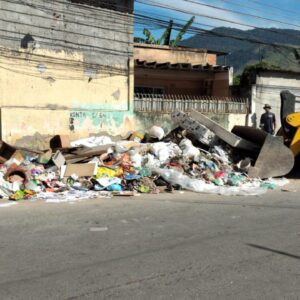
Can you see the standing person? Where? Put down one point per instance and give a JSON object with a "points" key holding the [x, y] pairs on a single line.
{"points": [[268, 120]]}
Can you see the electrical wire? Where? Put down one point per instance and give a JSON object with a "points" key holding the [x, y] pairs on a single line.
{"points": [[274, 7], [242, 5], [200, 30], [140, 21], [136, 15], [60, 30], [242, 13], [62, 66], [162, 23], [169, 7], [84, 16]]}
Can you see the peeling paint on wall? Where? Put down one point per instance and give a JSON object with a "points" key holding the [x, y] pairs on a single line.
{"points": [[116, 94]]}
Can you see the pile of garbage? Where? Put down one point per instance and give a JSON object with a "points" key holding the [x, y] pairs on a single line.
{"points": [[140, 163]]}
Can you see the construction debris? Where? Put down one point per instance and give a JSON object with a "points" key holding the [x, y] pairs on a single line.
{"points": [[201, 133], [98, 167]]}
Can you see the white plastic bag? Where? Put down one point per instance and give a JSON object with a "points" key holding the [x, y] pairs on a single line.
{"points": [[156, 132], [221, 154], [200, 186], [93, 141], [151, 161], [165, 151], [189, 150], [135, 158]]}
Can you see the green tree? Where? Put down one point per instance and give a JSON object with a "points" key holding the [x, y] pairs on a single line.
{"points": [[249, 74], [165, 39], [182, 32], [237, 80]]}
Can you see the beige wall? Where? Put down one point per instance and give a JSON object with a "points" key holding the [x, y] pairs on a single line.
{"points": [[61, 71], [236, 120], [59, 85], [34, 127], [40, 94], [163, 54]]}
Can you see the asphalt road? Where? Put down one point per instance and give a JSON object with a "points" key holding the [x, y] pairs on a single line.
{"points": [[171, 246]]}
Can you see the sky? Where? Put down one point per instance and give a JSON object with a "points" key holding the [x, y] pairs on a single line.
{"points": [[279, 13]]}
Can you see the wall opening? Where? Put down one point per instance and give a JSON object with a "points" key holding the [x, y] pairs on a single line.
{"points": [[27, 41]]}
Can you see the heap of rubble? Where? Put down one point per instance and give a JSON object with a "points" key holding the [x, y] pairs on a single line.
{"points": [[190, 157]]}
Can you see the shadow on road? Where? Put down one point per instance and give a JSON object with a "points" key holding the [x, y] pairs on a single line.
{"points": [[295, 173], [274, 251]]}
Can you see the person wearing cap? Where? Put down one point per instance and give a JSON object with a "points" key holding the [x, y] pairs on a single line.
{"points": [[268, 120]]}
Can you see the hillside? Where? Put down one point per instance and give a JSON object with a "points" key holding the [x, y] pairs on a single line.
{"points": [[243, 53]]}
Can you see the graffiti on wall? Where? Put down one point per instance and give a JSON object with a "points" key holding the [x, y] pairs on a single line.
{"points": [[95, 121], [78, 117]]}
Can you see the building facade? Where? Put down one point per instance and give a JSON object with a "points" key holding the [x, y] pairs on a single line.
{"points": [[180, 71], [265, 88], [66, 67]]}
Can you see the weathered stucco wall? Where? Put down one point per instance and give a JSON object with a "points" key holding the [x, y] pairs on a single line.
{"points": [[162, 54], [40, 83], [76, 74], [103, 36], [46, 123], [144, 121]]}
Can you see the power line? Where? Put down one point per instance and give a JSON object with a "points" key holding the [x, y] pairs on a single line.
{"points": [[85, 7], [46, 10], [241, 13], [74, 67], [56, 76], [243, 6], [173, 18], [64, 43], [263, 29], [62, 31], [48, 75], [15, 54], [69, 21], [83, 46], [161, 22], [152, 3], [140, 20], [169, 7], [198, 30], [274, 7], [93, 8]]}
